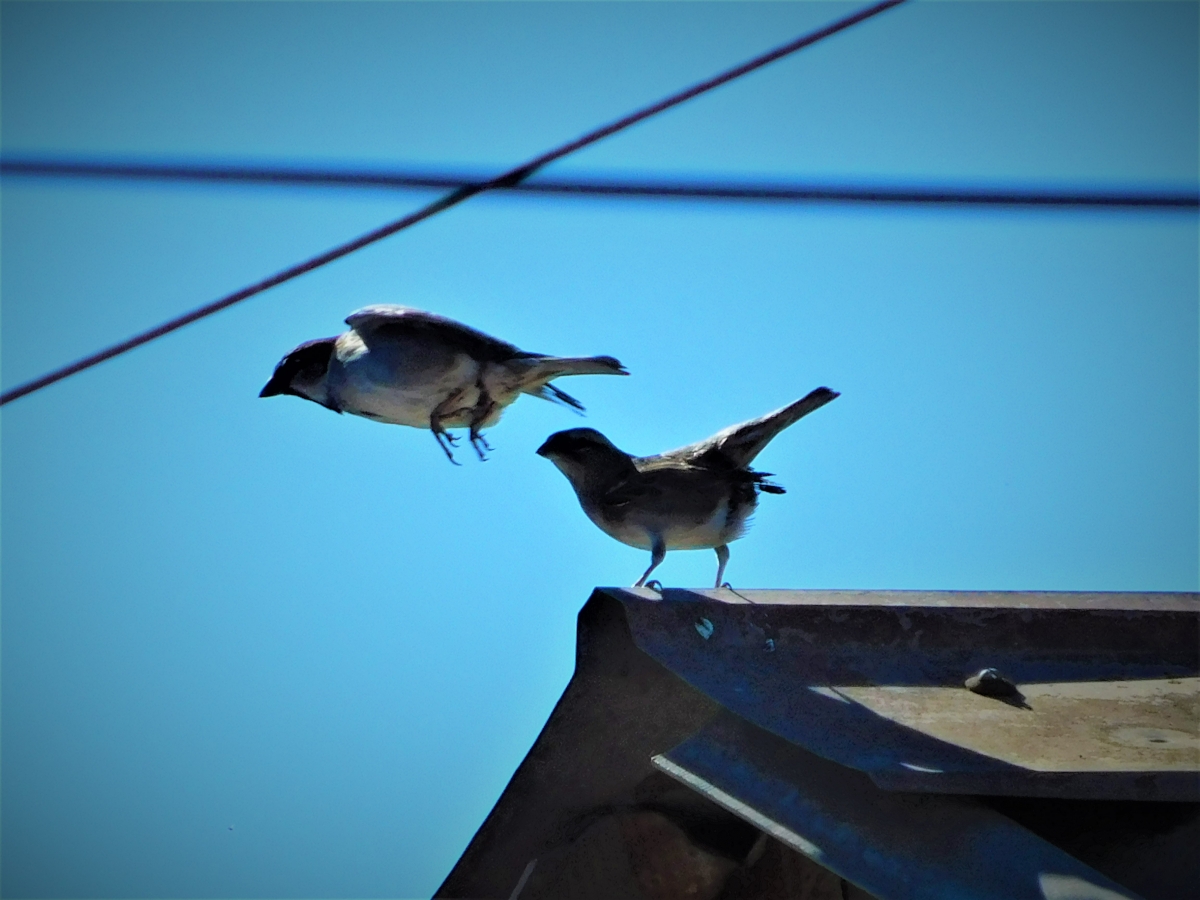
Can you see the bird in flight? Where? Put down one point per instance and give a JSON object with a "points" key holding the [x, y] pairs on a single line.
{"points": [[408, 367], [696, 497]]}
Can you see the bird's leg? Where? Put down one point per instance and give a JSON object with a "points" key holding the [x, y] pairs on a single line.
{"points": [[444, 438], [484, 407], [479, 441], [722, 558], [658, 552]]}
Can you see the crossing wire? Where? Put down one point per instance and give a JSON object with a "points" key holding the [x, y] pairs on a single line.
{"points": [[284, 175], [466, 191]]}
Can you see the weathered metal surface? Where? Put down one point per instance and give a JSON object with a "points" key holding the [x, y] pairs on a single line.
{"points": [[896, 846], [586, 815], [874, 680], [1073, 726]]}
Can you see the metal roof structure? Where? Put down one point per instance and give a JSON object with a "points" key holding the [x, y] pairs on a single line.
{"points": [[724, 744]]}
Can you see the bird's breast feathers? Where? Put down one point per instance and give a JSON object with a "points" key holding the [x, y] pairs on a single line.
{"points": [[383, 382], [687, 526]]}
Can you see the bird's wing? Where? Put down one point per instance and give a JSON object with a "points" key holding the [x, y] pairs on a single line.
{"points": [[737, 445], [665, 488], [628, 490], [385, 318]]}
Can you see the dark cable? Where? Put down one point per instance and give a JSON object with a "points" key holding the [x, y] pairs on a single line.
{"points": [[455, 197], [596, 187]]}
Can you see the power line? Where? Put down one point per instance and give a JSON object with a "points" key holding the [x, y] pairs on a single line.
{"points": [[284, 175], [458, 195]]}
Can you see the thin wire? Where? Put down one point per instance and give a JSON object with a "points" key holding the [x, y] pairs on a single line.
{"points": [[282, 175], [455, 197]]}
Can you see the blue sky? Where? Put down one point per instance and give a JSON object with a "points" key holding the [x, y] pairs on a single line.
{"points": [[225, 611]]}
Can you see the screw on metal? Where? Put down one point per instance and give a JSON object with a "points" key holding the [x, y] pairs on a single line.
{"points": [[991, 683]]}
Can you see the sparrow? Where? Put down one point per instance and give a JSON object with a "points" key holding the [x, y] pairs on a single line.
{"points": [[699, 496], [408, 367]]}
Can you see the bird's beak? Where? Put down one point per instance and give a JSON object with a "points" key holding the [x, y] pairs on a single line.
{"points": [[541, 451], [274, 387]]}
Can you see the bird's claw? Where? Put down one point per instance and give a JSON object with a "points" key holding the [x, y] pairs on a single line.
{"points": [[476, 441], [446, 440], [654, 584]]}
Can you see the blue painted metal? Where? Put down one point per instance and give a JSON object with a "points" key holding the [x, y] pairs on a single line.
{"points": [[775, 658], [896, 846]]}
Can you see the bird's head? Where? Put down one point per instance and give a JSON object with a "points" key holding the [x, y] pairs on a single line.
{"points": [[302, 373], [585, 456]]}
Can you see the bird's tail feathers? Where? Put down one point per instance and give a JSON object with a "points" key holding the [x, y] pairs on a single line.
{"points": [[760, 480], [743, 442], [539, 370], [768, 487], [810, 402], [554, 395], [554, 366]]}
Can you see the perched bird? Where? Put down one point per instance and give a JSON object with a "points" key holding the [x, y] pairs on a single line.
{"points": [[409, 367], [698, 496]]}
